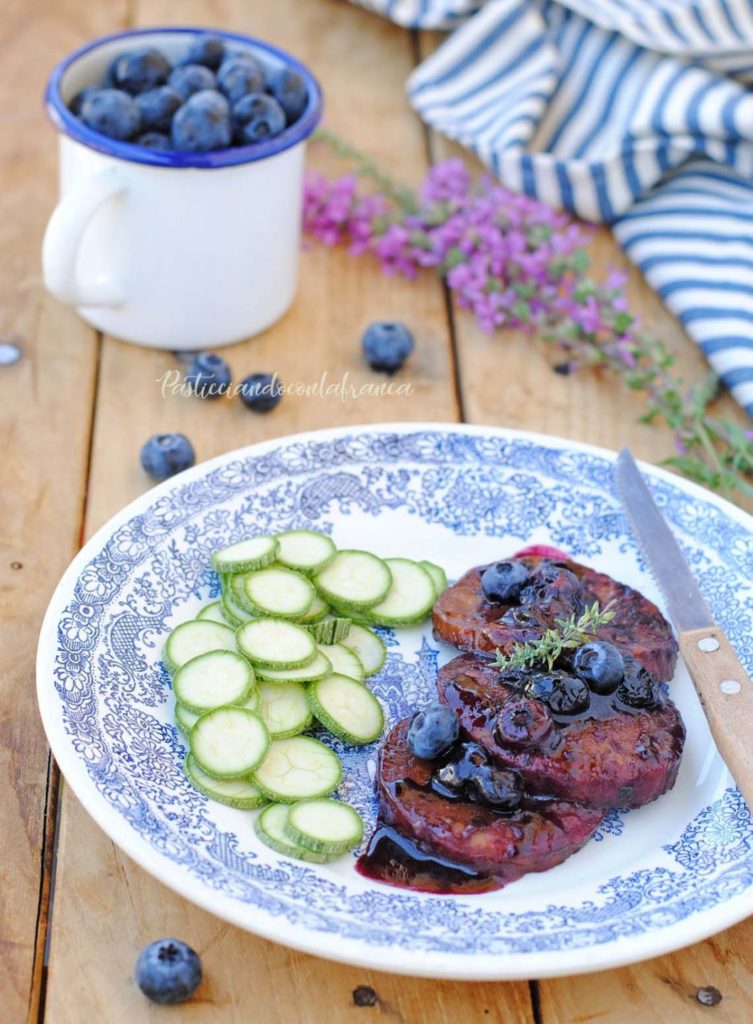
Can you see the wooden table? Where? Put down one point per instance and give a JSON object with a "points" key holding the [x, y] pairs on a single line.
{"points": [[73, 413]]}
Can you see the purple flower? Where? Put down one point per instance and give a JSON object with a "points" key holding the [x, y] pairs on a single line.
{"points": [[445, 181]]}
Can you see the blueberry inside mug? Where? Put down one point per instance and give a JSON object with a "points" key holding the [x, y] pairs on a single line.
{"points": [[174, 250]]}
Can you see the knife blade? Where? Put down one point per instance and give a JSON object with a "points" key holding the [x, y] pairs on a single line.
{"points": [[721, 682], [685, 602]]}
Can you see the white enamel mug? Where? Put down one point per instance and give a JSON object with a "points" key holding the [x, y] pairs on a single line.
{"points": [[174, 250]]}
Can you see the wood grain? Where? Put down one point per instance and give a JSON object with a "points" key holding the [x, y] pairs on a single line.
{"points": [[729, 712], [664, 990], [45, 420], [106, 908]]}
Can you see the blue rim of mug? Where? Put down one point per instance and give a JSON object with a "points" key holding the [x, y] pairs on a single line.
{"points": [[72, 126]]}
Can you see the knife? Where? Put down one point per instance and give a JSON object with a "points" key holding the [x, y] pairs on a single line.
{"points": [[722, 684]]}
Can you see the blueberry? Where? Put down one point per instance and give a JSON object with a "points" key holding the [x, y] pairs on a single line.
{"points": [[80, 98], [209, 376], [433, 731], [112, 113], [157, 107], [289, 89], [541, 685], [471, 774], [551, 582], [206, 49], [386, 345], [164, 455], [600, 664], [237, 78], [497, 788], [140, 70], [468, 759], [191, 78], [638, 689], [202, 123], [154, 140], [256, 117], [569, 695], [261, 392], [168, 971], [522, 723], [503, 582]]}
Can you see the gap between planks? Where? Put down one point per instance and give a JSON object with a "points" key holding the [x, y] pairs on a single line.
{"points": [[53, 803]]}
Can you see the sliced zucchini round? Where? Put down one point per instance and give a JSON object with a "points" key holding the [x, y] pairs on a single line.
{"points": [[233, 607], [368, 646], [299, 768], [305, 550], [213, 679], [213, 612], [229, 742], [347, 708], [318, 610], [186, 720], [354, 580], [198, 636], [270, 830], [233, 792], [410, 598], [438, 576], [276, 643], [277, 591], [344, 662], [316, 669], [284, 709], [254, 553], [325, 826]]}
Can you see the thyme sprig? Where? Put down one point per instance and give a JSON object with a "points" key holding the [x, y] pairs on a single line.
{"points": [[565, 635]]}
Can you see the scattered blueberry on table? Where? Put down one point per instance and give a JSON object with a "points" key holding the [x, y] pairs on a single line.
{"points": [[386, 345], [209, 375], [260, 392], [210, 100], [164, 455], [168, 971]]}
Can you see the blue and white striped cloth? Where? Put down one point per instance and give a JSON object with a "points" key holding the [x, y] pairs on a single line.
{"points": [[631, 112]]}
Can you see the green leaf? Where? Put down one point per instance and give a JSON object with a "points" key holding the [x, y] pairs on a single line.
{"points": [[623, 321]]}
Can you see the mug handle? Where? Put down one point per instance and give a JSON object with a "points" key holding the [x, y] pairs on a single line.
{"points": [[63, 236]]}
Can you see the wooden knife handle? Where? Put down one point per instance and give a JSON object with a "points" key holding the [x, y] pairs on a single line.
{"points": [[726, 693]]}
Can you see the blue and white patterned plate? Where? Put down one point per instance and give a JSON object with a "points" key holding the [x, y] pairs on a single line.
{"points": [[651, 880]]}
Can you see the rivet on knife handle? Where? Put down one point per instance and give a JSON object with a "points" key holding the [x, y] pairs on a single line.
{"points": [[726, 692]]}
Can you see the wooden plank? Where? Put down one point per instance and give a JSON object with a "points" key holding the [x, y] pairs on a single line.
{"points": [[664, 990], [507, 380], [45, 422], [103, 902]]}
